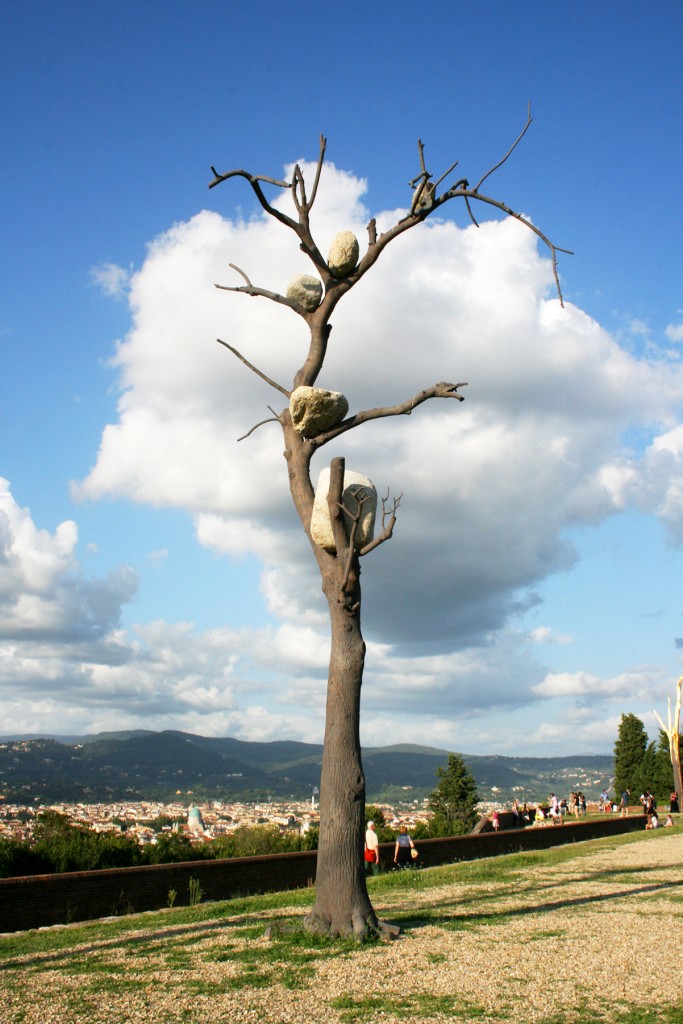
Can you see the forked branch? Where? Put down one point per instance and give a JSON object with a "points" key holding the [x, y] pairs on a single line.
{"points": [[250, 289], [388, 523], [354, 517], [302, 204], [271, 419], [254, 180]]}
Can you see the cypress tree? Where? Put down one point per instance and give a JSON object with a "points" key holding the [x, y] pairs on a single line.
{"points": [[663, 782], [454, 800], [629, 754]]}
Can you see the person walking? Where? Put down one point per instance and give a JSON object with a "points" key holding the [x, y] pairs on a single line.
{"points": [[403, 851]]}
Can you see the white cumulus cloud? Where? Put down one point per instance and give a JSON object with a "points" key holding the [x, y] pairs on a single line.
{"points": [[490, 486]]}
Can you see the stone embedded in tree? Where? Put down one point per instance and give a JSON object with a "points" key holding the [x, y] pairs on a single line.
{"points": [[306, 290], [314, 410], [343, 255], [358, 494]]}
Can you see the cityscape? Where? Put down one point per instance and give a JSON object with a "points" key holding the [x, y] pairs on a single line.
{"points": [[146, 820]]}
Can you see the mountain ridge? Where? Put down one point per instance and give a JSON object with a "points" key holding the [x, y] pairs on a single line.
{"points": [[143, 764]]}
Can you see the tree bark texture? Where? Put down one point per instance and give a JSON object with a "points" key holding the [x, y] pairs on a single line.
{"points": [[342, 905]]}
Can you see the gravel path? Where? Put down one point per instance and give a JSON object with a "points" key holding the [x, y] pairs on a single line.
{"points": [[562, 944]]}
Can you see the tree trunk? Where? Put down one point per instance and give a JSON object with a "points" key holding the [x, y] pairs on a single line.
{"points": [[342, 905], [675, 744]]}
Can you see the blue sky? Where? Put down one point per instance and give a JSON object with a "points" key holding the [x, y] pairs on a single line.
{"points": [[534, 575]]}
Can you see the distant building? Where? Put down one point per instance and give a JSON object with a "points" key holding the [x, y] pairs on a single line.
{"points": [[194, 819]]}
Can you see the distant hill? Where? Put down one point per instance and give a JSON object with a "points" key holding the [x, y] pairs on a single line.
{"points": [[139, 764]]}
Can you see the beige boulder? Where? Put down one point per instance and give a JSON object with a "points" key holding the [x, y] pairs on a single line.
{"points": [[314, 410], [306, 290], [357, 489], [343, 255]]}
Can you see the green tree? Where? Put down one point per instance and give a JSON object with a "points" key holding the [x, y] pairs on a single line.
{"points": [[309, 839], [629, 754], [454, 800], [384, 833], [258, 840], [69, 847], [648, 770], [662, 782], [174, 848], [18, 858], [164, 821]]}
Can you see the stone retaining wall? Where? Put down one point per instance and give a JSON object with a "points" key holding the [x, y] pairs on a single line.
{"points": [[38, 900]]}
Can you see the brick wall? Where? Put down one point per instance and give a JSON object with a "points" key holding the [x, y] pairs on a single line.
{"points": [[39, 900]]}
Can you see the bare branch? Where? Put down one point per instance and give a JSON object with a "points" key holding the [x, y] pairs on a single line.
{"points": [[321, 157], [255, 369], [425, 191], [299, 184], [239, 271], [253, 290], [271, 419], [512, 147], [388, 523], [469, 210], [251, 178], [443, 389], [446, 173], [254, 180], [303, 206], [554, 249]]}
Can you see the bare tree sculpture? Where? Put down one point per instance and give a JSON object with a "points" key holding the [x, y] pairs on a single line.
{"points": [[672, 732], [342, 905]]}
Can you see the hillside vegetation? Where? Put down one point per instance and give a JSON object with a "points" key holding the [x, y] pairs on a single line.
{"points": [[162, 766]]}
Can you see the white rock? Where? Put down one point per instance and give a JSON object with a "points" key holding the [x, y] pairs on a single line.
{"points": [[314, 410], [343, 255], [306, 290], [356, 487]]}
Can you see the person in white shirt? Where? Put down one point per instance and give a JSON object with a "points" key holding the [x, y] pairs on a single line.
{"points": [[371, 849]]}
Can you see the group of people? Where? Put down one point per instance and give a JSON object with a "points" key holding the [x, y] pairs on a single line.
{"points": [[404, 849], [577, 804], [405, 853], [650, 807], [557, 809]]}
